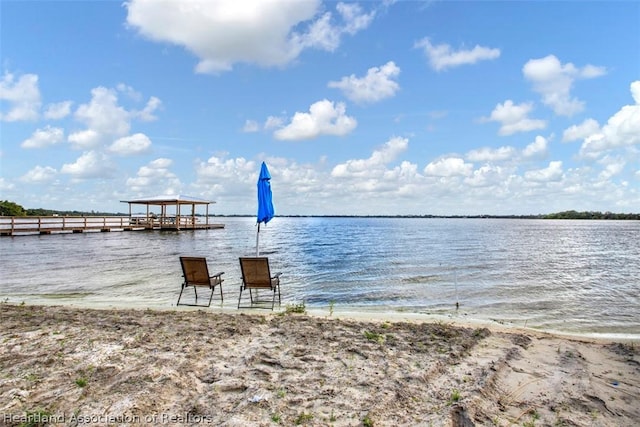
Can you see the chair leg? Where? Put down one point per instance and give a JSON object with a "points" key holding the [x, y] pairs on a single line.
{"points": [[211, 296], [279, 296], [195, 291], [240, 296], [221, 297], [180, 296]]}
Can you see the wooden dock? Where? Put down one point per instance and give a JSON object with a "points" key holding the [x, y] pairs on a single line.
{"points": [[28, 225]]}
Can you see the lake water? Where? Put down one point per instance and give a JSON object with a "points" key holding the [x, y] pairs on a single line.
{"points": [[569, 276]]}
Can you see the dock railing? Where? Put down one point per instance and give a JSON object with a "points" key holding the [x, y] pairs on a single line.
{"points": [[22, 225], [10, 226]]}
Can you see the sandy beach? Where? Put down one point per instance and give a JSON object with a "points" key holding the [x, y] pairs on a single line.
{"points": [[73, 366]]}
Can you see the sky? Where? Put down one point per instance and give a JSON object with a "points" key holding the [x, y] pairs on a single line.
{"points": [[357, 108]]}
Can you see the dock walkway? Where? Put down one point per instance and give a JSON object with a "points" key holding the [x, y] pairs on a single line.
{"points": [[26, 225]]}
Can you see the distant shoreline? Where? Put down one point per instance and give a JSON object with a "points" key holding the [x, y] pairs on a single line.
{"points": [[571, 215], [631, 217], [8, 208], [607, 216]]}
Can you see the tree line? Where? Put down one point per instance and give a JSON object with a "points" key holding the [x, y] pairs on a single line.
{"points": [[8, 208], [591, 215]]}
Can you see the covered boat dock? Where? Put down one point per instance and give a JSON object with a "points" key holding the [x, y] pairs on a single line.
{"points": [[171, 213]]}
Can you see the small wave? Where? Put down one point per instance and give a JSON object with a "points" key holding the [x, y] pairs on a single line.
{"points": [[66, 295], [422, 279]]}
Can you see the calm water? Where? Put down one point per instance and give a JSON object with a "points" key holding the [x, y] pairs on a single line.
{"points": [[571, 276]]}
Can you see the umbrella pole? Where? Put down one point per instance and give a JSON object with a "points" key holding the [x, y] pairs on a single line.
{"points": [[257, 241]]}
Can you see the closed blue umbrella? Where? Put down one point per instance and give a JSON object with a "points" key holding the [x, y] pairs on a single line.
{"points": [[265, 200]]}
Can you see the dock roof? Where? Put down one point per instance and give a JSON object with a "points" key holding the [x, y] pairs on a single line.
{"points": [[169, 200]]}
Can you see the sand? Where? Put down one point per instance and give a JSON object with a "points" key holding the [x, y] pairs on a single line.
{"points": [[75, 366]]}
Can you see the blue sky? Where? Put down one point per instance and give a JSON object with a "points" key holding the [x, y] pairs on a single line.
{"points": [[408, 107]]}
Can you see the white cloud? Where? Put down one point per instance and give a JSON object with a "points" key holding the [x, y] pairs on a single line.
{"points": [[225, 180], [378, 84], [39, 174], [442, 56], [354, 17], [376, 184], [621, 130], [591, 71], [384, 183], [44, 138], [380, 157], [360, 182], [106, 120], [554, 81], [217, 168], [129, 91], [146, 115], [231, 182], [612, 166], [449, 166], [324, 118], [225, 32], [226, 175], [486, 154], [57, 111], [250, 126], [273, 122], [103, 114], [514, 118], [553, 172], [538, 149], [84, 139], [160, 164], [137, 143], [321, 35], [581, 131], [23, 96], [90, 164], [155, 178], [635, 91], [487, 176]]}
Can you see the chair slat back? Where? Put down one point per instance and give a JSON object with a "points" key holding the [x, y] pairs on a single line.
{"points": [[255, 272], [195, 271]]}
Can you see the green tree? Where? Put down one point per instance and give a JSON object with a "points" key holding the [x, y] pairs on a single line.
{"points": [[8, 208]]}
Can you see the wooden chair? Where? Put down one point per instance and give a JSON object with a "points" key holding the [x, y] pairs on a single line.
{"points": [[196, 274], [256, 276]]}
